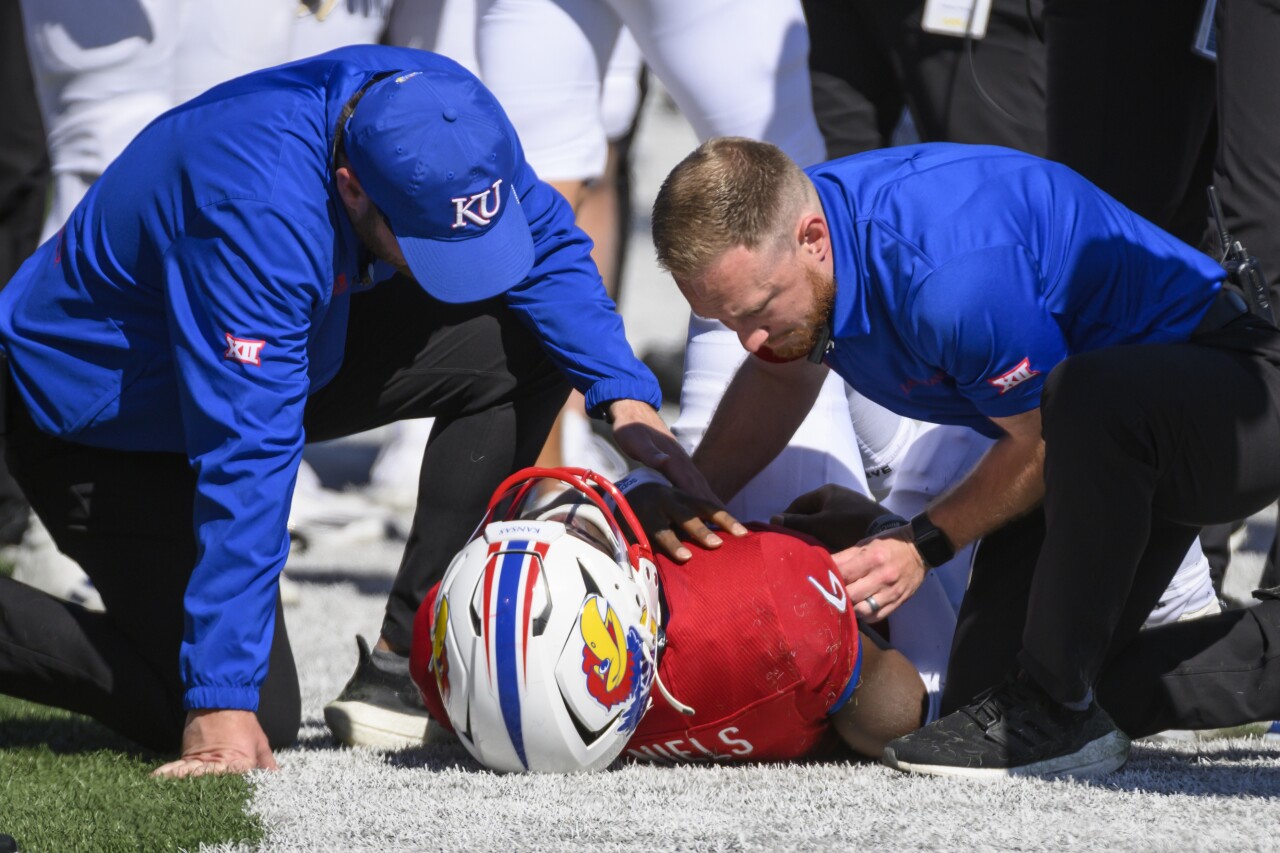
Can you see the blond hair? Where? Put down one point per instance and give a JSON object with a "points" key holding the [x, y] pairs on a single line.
{"points": [[729, 192]]}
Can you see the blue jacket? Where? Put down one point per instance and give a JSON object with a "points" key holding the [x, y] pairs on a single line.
{"points": [[199, 294], [964, 273]]}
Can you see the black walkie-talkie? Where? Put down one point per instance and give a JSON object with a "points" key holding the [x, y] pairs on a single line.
{"points": [[1242, 268]]}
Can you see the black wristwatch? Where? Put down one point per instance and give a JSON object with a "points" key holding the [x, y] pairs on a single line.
{"points": [[934, 546]]}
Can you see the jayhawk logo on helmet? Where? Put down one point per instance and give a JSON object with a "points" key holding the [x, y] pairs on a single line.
{"points": [[604, 657], [439, 659]]}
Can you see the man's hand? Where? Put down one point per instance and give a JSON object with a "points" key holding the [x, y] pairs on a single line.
{"points": [[645, 437], [887, 567], [217, 742], [662, 510], [835, 516]]}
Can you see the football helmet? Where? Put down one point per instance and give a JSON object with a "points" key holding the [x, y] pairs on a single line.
{"points": [[546, 628]]}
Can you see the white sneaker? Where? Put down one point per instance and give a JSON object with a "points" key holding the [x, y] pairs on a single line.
{"points": [[38, 563], [393, 479], [290, 594], [320, 516]]}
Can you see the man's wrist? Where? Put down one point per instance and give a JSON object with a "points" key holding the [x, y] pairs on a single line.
{"points": [[608, 413], [888, 521], [934, 547]]}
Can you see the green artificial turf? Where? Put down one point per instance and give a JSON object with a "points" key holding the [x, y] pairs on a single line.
{"points": [[68, 783]]}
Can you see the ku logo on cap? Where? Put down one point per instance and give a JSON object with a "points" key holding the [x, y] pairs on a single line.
{"points": [[467, 210], [244, 350]]}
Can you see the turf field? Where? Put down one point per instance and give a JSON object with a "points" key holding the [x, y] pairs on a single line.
{"points": [[67, 783]]}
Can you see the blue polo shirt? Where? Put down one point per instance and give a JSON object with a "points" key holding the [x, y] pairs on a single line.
{"points": [[964, 273], [200, 292]]}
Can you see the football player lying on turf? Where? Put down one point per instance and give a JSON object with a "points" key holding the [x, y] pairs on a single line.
{"points": [[542, 643]]}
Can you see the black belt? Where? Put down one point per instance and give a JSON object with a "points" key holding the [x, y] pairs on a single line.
{"points": [[1227, 306]]}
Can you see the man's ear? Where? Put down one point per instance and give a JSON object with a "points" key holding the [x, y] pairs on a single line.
{"points": [[813, 235], [350, 190]]}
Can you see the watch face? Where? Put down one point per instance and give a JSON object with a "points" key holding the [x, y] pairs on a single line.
{"points": [[933, 545]]}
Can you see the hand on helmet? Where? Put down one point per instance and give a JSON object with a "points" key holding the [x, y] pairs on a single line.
{"points": [[887, 568], [664, 512]]}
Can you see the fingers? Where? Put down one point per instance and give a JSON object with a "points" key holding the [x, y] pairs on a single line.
{"points": [[798, 522], [667, 513], [265, 760], [669, 543], [700, 533], [172, 770], [193, 768], [884, 607], [722, 519], [684, 517], [880, 571]]}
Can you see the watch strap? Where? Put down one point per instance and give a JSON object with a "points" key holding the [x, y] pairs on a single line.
{"points": [[934, 546]]}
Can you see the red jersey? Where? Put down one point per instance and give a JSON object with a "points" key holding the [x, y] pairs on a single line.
{"points": [[761, 641]]}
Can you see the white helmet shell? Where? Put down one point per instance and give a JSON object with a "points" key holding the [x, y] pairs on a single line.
{"points": [[549, 630]]}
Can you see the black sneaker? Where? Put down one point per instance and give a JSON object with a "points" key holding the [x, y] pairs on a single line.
{"points": [[380, 706], [1268, 594], [1015, 729]]}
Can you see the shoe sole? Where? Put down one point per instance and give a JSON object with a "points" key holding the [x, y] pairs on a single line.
{"points": [[1103, 755], [1248, 730], [361, 724]]}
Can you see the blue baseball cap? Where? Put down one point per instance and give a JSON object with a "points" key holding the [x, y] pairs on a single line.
{"points": [[437, 155]]}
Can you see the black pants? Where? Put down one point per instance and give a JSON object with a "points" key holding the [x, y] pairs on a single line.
{"points": [[126, 517], [24, 182], [868, 59], [1206, 673], [1130, 107], [1144, 445], [24, 162], [1247, 168], [485, 379]]}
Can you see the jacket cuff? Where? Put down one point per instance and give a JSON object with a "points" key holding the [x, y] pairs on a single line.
{"points": [[221, 698], [608, 390]]}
